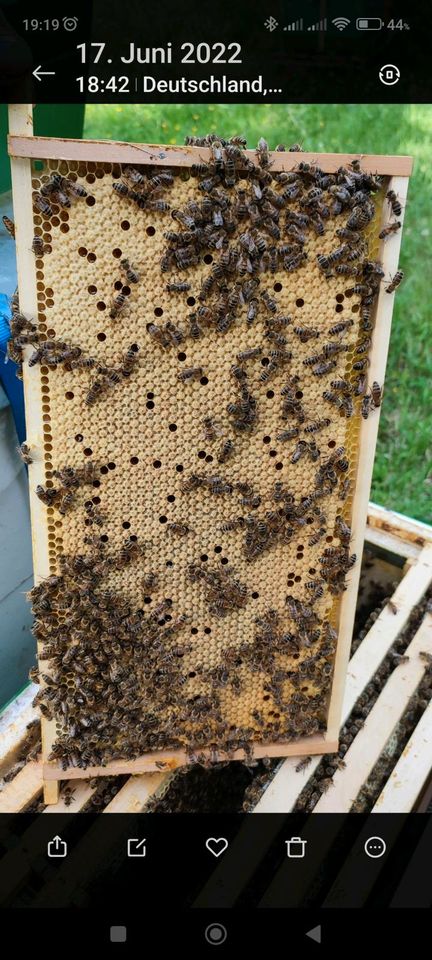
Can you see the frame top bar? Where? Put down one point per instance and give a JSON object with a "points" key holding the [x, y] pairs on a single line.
{"points": [[116, 151]]}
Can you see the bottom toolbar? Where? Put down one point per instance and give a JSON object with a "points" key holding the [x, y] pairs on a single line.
{"points": [[215, 862]]}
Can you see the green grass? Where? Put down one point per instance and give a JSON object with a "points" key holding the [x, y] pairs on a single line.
{"points": [[403, 470]]}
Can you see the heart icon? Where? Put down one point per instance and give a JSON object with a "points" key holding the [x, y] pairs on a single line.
{"points": [[216, 845]]}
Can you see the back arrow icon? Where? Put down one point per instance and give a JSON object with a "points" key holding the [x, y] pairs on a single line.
{"points": [[39, 73]]}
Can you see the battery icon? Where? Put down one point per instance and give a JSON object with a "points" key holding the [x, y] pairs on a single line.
{"points": [[369, 23]]}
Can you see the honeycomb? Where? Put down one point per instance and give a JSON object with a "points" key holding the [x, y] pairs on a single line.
{"points": [[147, 437]]}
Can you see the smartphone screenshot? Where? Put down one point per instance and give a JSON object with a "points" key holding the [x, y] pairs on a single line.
{"points": [[215, 474]]}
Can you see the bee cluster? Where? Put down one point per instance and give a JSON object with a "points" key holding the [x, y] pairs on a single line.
{"points": [[245, 367], [59, 190], [64, 496], [223, 590], [54, 353], [106, 659]]}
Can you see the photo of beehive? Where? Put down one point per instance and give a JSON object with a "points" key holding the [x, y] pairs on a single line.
{"points": [[200, 379]]}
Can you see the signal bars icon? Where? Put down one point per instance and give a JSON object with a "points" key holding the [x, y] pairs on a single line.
{"points": [[321, 25], [295, 25]]}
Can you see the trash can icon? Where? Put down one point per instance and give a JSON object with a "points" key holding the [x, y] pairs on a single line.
{"points": [[296, 848]]}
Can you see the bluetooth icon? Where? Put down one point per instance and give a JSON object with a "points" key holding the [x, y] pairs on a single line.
{"points": [[270, 24]]}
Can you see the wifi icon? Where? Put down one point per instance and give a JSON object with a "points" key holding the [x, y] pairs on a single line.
{"points": [[341, 22]]}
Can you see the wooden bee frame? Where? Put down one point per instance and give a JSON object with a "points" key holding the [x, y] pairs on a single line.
{"points": [[24, 148]]}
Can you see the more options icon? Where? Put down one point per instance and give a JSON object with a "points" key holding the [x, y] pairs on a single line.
{"points": [[389, 74], [375, 847]]}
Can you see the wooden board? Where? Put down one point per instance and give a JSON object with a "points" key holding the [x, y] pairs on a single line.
{"points": [[411, 771], [378, 725], [396, 533], [367, 429], [13, 726], [285, 787], [99, 151]]}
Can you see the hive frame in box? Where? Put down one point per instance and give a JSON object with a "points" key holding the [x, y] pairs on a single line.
{"points": [[23, 148]]}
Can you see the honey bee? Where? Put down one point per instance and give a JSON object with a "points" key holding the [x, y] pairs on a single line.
{"points": [[67, 501], [340, 327], [121, 189], [129, 361], [117, 305], [252, 310], [317, 225], [226, 451], [149, 580], [341, 385], [179, 529], [94, 514], [321, 369], [75, 189], [323, 264], [42, 204], [175, 334], [394, 202], [132, 274], [306, 333], [94, 393], [304, 762], [182, 287], [426, 657], [132, 174], [210, 431], [68, 796], [287, 434], [276, 338], [361, 364], [190, 373], [62, 198], [376, 392], [396, 280], [195, 330], [9, 226], [199, 169], [343, 531], [262, 153], [159, 206], [269, 301], [345, 269], [217, 156], [318, 425], [159, 336], [249, 354], [317, 536], [345, 234], [48, 496], [389, 229], [359, 219], [38, 246], [363, 346], [292, 192], [299, 451]]}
